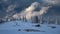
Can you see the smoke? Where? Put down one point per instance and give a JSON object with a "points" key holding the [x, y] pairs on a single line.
{"points": [[30, 8], [29, 12], [10, 8], [52, 2], [44, 10], [41, 12]]}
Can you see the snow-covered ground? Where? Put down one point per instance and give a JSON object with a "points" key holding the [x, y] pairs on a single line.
{"points": [[21, 28]]}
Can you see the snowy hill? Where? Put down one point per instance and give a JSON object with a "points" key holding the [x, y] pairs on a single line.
{"points": [[20, 27]]}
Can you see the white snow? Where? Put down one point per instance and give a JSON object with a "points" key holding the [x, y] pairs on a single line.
{"points": [[12, 28]]}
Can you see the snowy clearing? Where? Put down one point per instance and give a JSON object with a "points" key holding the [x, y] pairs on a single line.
{"points": [[20, 27]]}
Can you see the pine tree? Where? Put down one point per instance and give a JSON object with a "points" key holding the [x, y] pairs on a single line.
{"points": [[36, 19]]}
